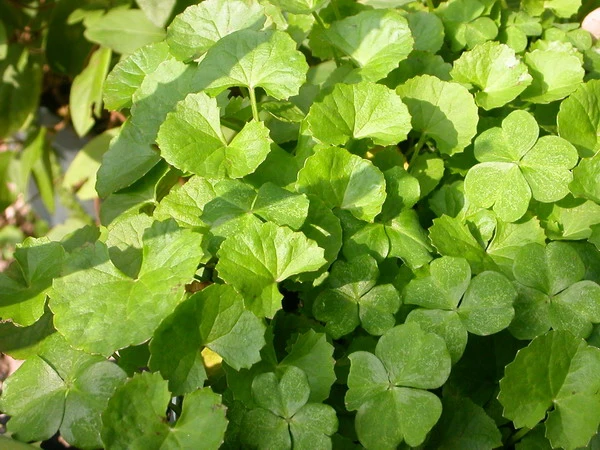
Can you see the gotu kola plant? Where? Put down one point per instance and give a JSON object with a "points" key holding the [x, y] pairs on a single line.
{"points": [[329, 225]]}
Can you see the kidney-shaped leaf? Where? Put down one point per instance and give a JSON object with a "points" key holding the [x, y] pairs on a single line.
{"points": [[100, 309], [215, 318], [359, 111], [345, 181]]}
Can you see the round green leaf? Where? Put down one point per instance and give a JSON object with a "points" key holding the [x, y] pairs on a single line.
{"points": [[359, 111], [135, 417], [441, 110], [199, 27], [300, 6], [579, 118], [375, 40], [495, 71], [586, 179], [343, 180]]}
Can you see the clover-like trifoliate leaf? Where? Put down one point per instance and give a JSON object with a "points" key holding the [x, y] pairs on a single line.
{"points": [[464, 24], [586, 179], [359, 111], [514, 167], [483, 305], [441, 110], [200, 26], [215, 318], [549, 84], [353, 299], [262, 255], [464, 424], [61, 389], [131, 154], [578, 118], [191, 139], [284, 415], [249, 58], [24, 285], [100, 309], [375, 40], [135, 417], [127, 76], [496, 72], [552, 292], [343, 180], [387, 388], [566, 373]]}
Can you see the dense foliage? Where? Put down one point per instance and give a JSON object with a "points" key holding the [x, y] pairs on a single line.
{"points": [[324, 224]]}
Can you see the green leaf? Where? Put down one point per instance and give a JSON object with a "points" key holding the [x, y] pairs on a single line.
{"points": [[495, 71], [284, 416], [131, 154], [213, 318], [80, 177], [514, 167], [314, 355], [548, 83], [353, 299], [251, 59], [103, 320], [375, 40], [199, 27], [127, 76], [427, 30], [192, 140], [300, 6], [23, 287], [402, 192], [343, 180], [63, 390], [261, 256], [408, 240], [464, 424], [552, 293], [359, 111], [25, 342], [586, 179], [569, 218], [441, 110], [428, 169], [581, 108], [387, 411], [123, 30], [135, 417], [186, 203], [566, 372], [158, 11]]}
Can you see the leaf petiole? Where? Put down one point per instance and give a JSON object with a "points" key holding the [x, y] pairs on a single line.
{"points": [[253, 103]]}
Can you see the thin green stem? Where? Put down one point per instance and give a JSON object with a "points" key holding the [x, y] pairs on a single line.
{"points": [[253, 103], [419, 145], [320, 22], [518, 435], [430, 5], [336, 10]]}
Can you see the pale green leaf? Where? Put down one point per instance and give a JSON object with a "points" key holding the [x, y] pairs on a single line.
{"points": [[579, 118], [443, 111], [427, 30], [586, 179], [261, 256], [359, 111], [158, 11], [408, 240], [186, 203], [375, 40], [200, 26]]}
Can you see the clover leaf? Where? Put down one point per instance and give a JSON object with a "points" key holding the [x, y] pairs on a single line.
{"points": [[199, 27], [261, 256], [100, 309], [514, 167], [353, 299], [581, 108], [483, 305], [566, 373], [343, 180], [214, 318], [552, 293], [284, 414], [443, 111], [495, 71], [191, 139], [375, 40], [23, 287], [251, 59], [60, 389], [135, 417], [388, 388], [359, 111], [586, 179]]}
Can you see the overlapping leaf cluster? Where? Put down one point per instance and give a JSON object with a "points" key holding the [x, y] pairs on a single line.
{"points": [[329, 224]]}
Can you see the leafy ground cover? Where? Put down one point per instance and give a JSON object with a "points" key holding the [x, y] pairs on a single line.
{"points": [[323, 224]]}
